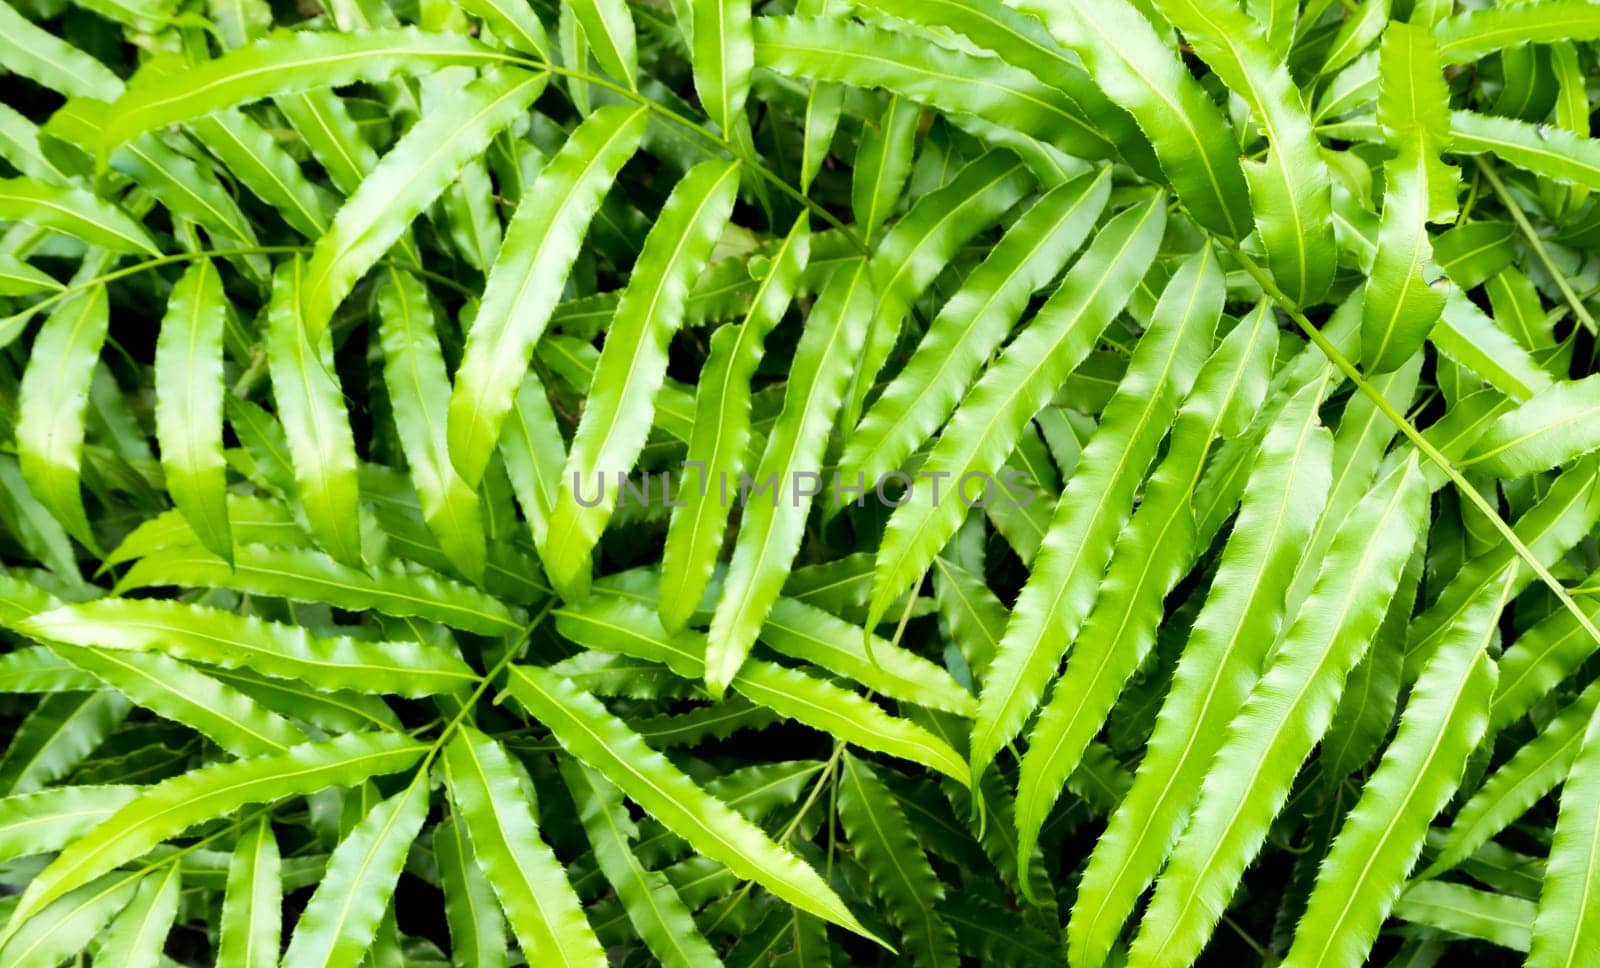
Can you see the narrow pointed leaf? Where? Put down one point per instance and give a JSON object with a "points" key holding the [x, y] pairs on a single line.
{"points": [[534, 453], [66, 927], [608, 28], [722, 434], [420, 393], [723, 54], [48, 820], [174, 805], [972, 324], [514, 23], [182, 693], [341, 919], [54, 397], [591, 733], [1567, 926], [1401, 304], [632, 366], [189, 387], [1290, 191], [539, 903], [1128, 61], [252, 916], [199, 634], [285, 63], [1011, 100], [308, 576], [306, 388], [617, 626], [1242, 615], [73, 212], [1015, 388], [138, 935], [658, 913], [1364, 871], [477, 928], [1096, 503], [523, 286], [409, 177], [1287, 711], [775, 516], [34, 53], [1550, 430]]}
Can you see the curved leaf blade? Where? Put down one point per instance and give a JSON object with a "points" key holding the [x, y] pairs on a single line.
{"points": [[538, 251]]}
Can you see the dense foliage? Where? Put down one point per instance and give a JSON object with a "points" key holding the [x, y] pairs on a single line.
{"points": [[814, 482]]}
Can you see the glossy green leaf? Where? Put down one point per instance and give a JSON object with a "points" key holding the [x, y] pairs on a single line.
{"points": [[341, 918], [1015, 388], [1550, 430], [60, 732], [1095, 504], [74, 213], [1443, 721], [420, 391], [1507, 793], [1009, 99], [609, 30], [309, 576], [1242, 615], [587, 730], [775, 512], [204, 794], [1567, 925], [514, 23], [182, 693], [919, 247], [631, 368], [408, 178], [524, 284], [306, 388], [1400, 303], [1284, 715], [477, 927], [47, 820], [653, 905], [1019, 39], [538, 901], [54, 397], [38, 55], [200, 634], [66, 927], [287, 63], [1191, 138], [1498, 918], [631, 629], [971, 325], [252, 916], [138, 935], [724, 56], [722, 435], [189, 378], [1290, 191]]}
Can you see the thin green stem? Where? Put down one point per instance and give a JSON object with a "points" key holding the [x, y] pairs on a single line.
{"points": [[1420, 442], [512, 651], [148, 264], [1253, 943], [1521, 218], [706, 134], [824, 779], [828, 778]]}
